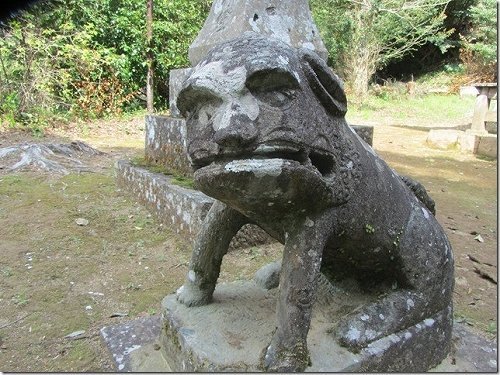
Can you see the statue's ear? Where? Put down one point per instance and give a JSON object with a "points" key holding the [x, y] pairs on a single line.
{"points": [[325, 84]]}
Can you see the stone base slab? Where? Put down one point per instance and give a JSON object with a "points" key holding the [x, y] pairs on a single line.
{"points": [[483, 144], [230, 334], [135, 347]]}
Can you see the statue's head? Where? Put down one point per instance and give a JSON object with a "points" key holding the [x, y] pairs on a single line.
{"points": [[265, 120]]}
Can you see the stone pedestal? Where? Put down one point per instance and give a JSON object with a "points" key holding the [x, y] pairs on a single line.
{"points": [[230, 334], [166, 143], [479, 116]]}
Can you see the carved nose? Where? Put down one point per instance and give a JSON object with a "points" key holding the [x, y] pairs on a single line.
{"points": [[240, 132]]}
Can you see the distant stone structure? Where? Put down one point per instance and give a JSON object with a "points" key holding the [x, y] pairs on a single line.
{"points": [[267, 137]]}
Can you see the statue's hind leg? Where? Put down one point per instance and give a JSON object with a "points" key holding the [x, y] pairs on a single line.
{"points": [[426, 273], [390, 314]]}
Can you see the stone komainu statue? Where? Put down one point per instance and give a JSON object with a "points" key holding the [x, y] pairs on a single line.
{"points": [[268, 139]]}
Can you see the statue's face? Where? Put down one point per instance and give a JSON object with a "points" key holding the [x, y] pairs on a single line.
{"points": [[255, 128]]}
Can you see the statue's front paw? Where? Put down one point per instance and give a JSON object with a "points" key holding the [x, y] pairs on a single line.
{"points": [[279, 359], [191, 295]]}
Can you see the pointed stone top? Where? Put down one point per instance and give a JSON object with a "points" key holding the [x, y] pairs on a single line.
{"points": [[287, 20]]}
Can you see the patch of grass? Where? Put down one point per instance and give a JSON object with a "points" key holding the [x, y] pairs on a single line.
{"points": [[7, 272], [183, 181], [177, 177], [419, 110], [20, 299]]}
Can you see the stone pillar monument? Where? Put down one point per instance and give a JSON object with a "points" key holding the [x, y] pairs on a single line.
{"points": [[288, 21]]}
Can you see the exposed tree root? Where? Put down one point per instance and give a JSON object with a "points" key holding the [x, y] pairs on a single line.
{"points": [[52, 157]]}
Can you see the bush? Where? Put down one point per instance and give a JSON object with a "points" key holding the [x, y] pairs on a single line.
{"points": [[479, 47]]}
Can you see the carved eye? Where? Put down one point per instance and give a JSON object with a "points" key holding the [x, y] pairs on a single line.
{"points": [[276, 98], [273, 87]]}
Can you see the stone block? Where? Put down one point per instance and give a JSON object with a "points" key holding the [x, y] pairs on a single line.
{"points": [[176, 79], [135, 347], [444, 138], [230, 334], [479, 116], [488, 146], [289, 21], [492, 127], [468, 142], [166, 143]]}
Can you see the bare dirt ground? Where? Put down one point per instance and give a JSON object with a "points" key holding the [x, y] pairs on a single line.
{"points": [[58, 277]]}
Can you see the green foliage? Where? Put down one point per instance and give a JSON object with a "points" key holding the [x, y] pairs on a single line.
{"points": [[69, 58], [483, 38], [479, 51], [177, 178], [363, 37]]}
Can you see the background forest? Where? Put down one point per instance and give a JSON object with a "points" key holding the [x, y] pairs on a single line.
{"points": [[67, 59]]}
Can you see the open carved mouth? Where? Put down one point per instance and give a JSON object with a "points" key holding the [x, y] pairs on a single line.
{"points": [[322, 161]]}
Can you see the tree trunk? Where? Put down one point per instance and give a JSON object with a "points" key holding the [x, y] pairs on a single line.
{"points": [[149, 56]]}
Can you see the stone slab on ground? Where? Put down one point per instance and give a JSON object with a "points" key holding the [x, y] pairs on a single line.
{"points": [[183, 210], [482, 144], [136, 345], [488, 146]]}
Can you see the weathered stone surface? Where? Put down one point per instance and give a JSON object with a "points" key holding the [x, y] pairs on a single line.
{"points": [[488, 146], [268, 277], [470, 352], [227, 335], [176, 79], [468, 142], [166, 143], [267, 136], [182, 210], [124, 339], [288, 21]]}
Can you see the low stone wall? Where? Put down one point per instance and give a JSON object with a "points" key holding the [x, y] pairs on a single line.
{"points": [[183, 210]]}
